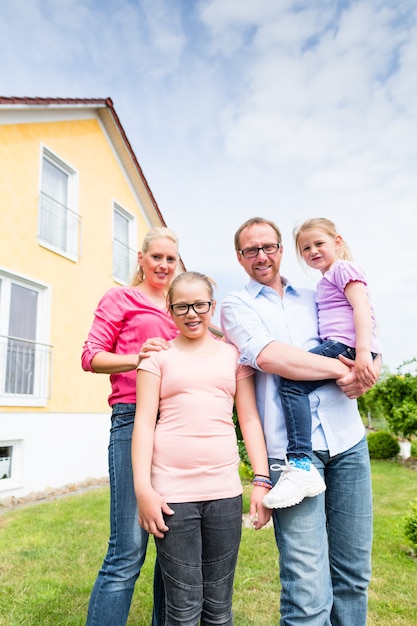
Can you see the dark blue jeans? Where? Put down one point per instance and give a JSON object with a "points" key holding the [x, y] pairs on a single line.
{"points": [[112, 593], [198, 558], [296, 405]]}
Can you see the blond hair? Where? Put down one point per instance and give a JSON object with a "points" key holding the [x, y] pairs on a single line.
{"points": [[157, 232], [191, 277], [326, 226]]}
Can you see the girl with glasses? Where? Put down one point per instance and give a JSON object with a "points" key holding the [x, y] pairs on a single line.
{"points": [[185, 458]]}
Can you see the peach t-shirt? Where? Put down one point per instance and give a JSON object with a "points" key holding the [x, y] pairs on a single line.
{"points": [[195, 455]]}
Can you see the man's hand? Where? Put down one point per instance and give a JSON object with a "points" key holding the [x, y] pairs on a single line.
{"points": [[350, 384]]}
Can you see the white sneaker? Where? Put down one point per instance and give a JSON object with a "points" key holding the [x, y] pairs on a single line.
{"points": [[294, 485]]}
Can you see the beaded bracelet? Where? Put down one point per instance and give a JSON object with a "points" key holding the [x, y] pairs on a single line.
{"points": [[258, 483], [262, 481]]}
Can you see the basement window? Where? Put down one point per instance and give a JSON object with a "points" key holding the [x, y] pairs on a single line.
{"points": [[6, 453]]}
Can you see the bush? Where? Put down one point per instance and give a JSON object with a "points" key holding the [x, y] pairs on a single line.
{"points": [[411, 525], [414, 449], [395, 397], [382, 445]]}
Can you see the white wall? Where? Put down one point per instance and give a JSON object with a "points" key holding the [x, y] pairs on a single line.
{"points": [[53, 450]]}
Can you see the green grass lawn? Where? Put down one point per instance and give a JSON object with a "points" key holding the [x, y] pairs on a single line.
{"points": [[50, 554]]}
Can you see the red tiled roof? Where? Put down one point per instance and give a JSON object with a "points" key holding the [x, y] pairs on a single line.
{"points": [[45, 101]]}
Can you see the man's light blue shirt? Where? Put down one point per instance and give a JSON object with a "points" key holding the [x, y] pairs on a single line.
{"points": [[254, 317]]}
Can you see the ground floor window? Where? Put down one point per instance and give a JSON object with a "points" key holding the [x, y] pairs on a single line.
{"points": [[24, 352], [6, 462]]}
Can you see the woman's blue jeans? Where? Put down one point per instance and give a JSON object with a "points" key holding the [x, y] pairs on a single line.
{"points": [[198, 556], [112, 593], [325, 544]]}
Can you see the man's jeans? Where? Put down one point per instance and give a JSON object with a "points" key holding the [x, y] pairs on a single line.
{"points": [[112, 593], [198, 556], [296, 405], [325, 544]]}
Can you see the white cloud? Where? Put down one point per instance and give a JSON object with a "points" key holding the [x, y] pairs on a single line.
{"points": [[237, 108], [321, 101]]}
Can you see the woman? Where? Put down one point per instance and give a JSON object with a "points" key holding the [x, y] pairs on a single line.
{"points": [[124, 319]]}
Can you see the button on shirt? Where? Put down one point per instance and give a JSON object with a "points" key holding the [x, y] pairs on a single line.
{"points": [[254, 317]]}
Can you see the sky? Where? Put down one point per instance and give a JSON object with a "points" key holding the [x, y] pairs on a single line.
{"points": [[283, 109]]}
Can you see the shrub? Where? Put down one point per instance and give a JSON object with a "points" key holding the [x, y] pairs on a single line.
{"points": [[411, 525], [382, 445], [395, 396], [414, 449]]}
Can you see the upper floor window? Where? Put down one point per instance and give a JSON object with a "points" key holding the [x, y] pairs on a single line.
{"points": [[24, 355], [58, 218], [125, 255]]}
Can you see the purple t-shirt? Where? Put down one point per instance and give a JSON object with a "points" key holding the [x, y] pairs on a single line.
{"points": [[335, 313]]}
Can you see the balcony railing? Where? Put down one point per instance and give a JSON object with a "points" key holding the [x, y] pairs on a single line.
{"points": [[125, 260], [58, 227], [25, 368]]}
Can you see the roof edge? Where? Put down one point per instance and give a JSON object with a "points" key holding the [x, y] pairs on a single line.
{"points": [[26, 101], [110, 106]]}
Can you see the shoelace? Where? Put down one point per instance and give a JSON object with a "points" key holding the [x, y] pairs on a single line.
{"points": [[289, 464], [276, 467]]}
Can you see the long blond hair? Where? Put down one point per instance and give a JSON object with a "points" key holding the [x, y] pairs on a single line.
{"points": [[157, 232], [326, 226]]}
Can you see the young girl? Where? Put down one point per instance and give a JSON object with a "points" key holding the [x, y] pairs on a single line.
{"points": [[346, 327], [185, 460]]}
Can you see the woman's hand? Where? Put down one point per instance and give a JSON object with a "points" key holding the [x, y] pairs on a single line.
{"points": [[154, 344]]}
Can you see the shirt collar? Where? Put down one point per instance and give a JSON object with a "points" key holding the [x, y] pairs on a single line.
{"points": [[254, 288]]}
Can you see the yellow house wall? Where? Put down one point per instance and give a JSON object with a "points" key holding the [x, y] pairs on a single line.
{"points": [[76, 287]]}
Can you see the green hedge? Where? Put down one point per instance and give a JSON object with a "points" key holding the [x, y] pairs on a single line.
{"points": [[382, 445]]}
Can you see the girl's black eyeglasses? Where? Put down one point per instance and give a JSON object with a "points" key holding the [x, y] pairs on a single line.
{"points": [[197, 307]]}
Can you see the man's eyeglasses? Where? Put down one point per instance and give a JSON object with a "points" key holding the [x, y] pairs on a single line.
{"points": [[197, 307], [268, 248]]}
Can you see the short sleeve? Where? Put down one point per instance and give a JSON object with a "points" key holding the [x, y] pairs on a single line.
{"points": [[345, 272], [151, 364], [244, 371]]}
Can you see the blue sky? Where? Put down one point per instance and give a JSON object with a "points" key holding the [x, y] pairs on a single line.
{"points": [[285, 109]]}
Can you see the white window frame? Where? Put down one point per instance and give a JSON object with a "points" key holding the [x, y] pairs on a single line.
{"points": [[42, 350], [15, 479], [128, 248], [71, 247]]}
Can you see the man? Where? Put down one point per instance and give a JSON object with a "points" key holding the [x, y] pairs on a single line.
{"points": [[325, 541]]}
